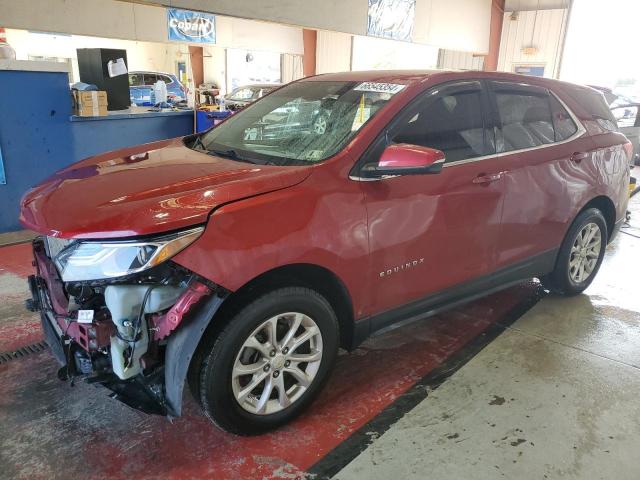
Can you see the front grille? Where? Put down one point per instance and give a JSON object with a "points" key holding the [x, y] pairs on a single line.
{"points": [[56, 245]]}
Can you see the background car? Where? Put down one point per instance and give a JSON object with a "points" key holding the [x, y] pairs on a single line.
{"points": [[242, 96], [141, 87]]}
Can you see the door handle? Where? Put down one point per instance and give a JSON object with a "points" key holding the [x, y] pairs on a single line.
{"points": [[486, 179], [577, 157]]}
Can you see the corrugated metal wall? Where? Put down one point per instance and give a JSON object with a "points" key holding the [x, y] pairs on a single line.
{"points": [[333, 52], [543, 29], [455, 60]]}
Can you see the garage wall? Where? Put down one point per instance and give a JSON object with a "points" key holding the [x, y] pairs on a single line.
{"points": [[128, 21], [381, 54], [456, 60], [333, 52], [437, 22], [543, 29]]}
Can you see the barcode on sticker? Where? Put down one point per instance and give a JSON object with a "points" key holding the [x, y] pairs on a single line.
{"points": [[391, 88], [85, 316]]}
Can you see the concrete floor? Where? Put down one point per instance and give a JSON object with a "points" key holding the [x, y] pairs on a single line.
{"points": [[553, 395]]}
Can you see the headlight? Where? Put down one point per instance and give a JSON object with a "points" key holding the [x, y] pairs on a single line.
{"points": [[89, 260]]}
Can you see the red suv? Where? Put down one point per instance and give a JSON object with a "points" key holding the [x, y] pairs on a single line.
{"points": [[242, 258]]}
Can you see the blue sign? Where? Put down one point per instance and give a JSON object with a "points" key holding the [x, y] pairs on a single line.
{"points": [[534, 70], [194, 27]]}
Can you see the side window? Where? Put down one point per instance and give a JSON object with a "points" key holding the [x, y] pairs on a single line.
{"points": [[135, 79], [525, 119], [452, 123], [150, 78], [563, 124], [165, 79], [595, 104]]}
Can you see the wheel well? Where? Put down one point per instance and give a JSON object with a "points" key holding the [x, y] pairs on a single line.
{"points": [[317, 278], [608, 209]]}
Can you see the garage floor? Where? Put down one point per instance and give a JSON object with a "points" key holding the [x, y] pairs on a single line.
{"points": [[517, 385]]}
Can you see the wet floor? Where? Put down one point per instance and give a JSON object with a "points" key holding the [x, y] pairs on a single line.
{"points": [[555, 396]]}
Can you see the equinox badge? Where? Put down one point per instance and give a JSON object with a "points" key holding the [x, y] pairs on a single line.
{"points": [[400, 268]]}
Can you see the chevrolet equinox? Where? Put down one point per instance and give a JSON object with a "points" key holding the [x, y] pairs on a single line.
{"points": [[239, 260]]}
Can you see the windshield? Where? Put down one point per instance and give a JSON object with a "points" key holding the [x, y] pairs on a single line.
{"points": [[299, 124]]}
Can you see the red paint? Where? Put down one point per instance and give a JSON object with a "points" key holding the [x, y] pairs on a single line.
{"points": [[318, 215], [167, 323], [403, 155], [167, 188]]}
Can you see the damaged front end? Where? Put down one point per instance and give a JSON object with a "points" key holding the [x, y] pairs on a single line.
{"points": [[110, 312]]}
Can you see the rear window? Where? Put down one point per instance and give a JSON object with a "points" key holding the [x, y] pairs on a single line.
{"points": [[595, 104]]}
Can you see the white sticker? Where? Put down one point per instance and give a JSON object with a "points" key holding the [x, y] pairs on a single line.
{"points": [[116, 68], [85, 316], [391, 88]]}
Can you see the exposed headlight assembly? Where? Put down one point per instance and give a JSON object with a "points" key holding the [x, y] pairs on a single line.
{"points": [[92, 260]]}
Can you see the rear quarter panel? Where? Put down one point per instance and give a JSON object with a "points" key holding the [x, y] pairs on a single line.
{"points": [[606, 171]]}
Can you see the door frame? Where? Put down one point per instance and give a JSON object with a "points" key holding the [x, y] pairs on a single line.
{"points": [[420, 101]]}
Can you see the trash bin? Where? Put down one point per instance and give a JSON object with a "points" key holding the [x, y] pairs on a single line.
{"points": [[206, 120]]}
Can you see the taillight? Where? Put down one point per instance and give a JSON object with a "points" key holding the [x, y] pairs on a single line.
{"points": [[628, 148]]}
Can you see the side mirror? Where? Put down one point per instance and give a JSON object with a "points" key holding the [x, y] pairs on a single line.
{"points": [[405, 159]]}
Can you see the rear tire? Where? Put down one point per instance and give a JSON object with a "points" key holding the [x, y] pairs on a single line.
{"points": [[580, 254], [259, 373]]}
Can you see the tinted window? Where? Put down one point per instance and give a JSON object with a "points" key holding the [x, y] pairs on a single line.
{"points": [[525, 119], [451, 123], [595, 104], [563, 124]]}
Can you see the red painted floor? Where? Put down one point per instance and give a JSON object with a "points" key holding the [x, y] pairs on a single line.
{"points": [[51, 430]]}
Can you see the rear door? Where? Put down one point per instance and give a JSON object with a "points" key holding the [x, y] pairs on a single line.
{"points": [[535, 147], [431, 232]]}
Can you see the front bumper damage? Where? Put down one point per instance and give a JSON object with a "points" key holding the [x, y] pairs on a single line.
{"points": [[102, 331]]}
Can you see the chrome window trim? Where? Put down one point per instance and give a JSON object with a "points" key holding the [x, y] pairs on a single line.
{"points": [[581, 130]]}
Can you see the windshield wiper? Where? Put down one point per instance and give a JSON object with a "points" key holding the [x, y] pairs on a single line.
{"points": [[230, 154]]}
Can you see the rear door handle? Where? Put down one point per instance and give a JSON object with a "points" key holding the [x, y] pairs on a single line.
{"points": [[484, 179], [577, 157]]}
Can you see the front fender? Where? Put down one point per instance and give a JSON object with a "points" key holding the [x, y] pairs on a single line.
{"points": [[181, 347]]}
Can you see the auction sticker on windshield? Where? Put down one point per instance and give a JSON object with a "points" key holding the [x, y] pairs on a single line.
{"points": [[391, 88]]}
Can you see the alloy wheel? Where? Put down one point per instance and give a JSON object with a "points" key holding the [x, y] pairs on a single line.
{"points": [[585, 253], [277, 363]]}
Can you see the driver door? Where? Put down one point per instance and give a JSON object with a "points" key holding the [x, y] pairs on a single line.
{"points": [[432, 232]]}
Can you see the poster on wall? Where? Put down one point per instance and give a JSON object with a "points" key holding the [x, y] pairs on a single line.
{"points": [[392, 19], [188, 26]]}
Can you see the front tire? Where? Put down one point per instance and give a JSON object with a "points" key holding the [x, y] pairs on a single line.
{"points": [[269, 362], [580, 255]]}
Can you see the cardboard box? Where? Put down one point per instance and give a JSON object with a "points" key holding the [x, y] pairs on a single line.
{"points": [[90, 104]]}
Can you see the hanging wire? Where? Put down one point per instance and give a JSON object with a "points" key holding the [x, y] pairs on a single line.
{"points": [[535, 19]]}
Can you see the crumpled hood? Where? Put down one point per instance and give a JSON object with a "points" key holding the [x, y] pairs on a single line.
{"points": [[148, 189]]}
